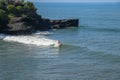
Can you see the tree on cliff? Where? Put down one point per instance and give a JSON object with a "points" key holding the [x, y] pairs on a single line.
{"points": [[17, 7], [14, 8], [3, 19], [2, 4]]}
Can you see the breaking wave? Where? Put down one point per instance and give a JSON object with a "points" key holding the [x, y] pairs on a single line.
{"points": [[31, 39]]}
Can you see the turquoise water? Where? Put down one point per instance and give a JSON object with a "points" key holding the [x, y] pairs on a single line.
{"points": [[89, 52]]}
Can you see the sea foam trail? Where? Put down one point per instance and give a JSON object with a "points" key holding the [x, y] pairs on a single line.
{"points": [[34, 40]]}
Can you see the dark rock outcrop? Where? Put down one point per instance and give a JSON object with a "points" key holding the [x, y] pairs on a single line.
{"points": [[27, 24], [58, 24]]}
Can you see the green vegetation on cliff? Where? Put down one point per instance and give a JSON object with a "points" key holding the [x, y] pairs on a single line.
{"points": [[15, 8]]}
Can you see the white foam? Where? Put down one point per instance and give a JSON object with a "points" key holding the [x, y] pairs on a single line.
{"points": [[39, 41], [43, 33]]}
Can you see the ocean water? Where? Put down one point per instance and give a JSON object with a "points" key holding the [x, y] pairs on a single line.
{"points": [[89, 52]]}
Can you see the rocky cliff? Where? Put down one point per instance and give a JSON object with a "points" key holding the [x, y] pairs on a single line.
{"points": [[26, 20]]}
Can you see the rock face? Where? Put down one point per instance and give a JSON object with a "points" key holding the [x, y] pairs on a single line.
{"points": [[17, 25], [58, 24], [27, 25]]}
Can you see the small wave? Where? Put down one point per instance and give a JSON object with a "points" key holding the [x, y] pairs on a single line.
{"points": [[109, 30], [43, 33], [104, 29], [69, 47], [39, 41]]}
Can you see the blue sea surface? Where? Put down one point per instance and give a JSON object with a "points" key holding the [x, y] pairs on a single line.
{"points": [[89, 52]]}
